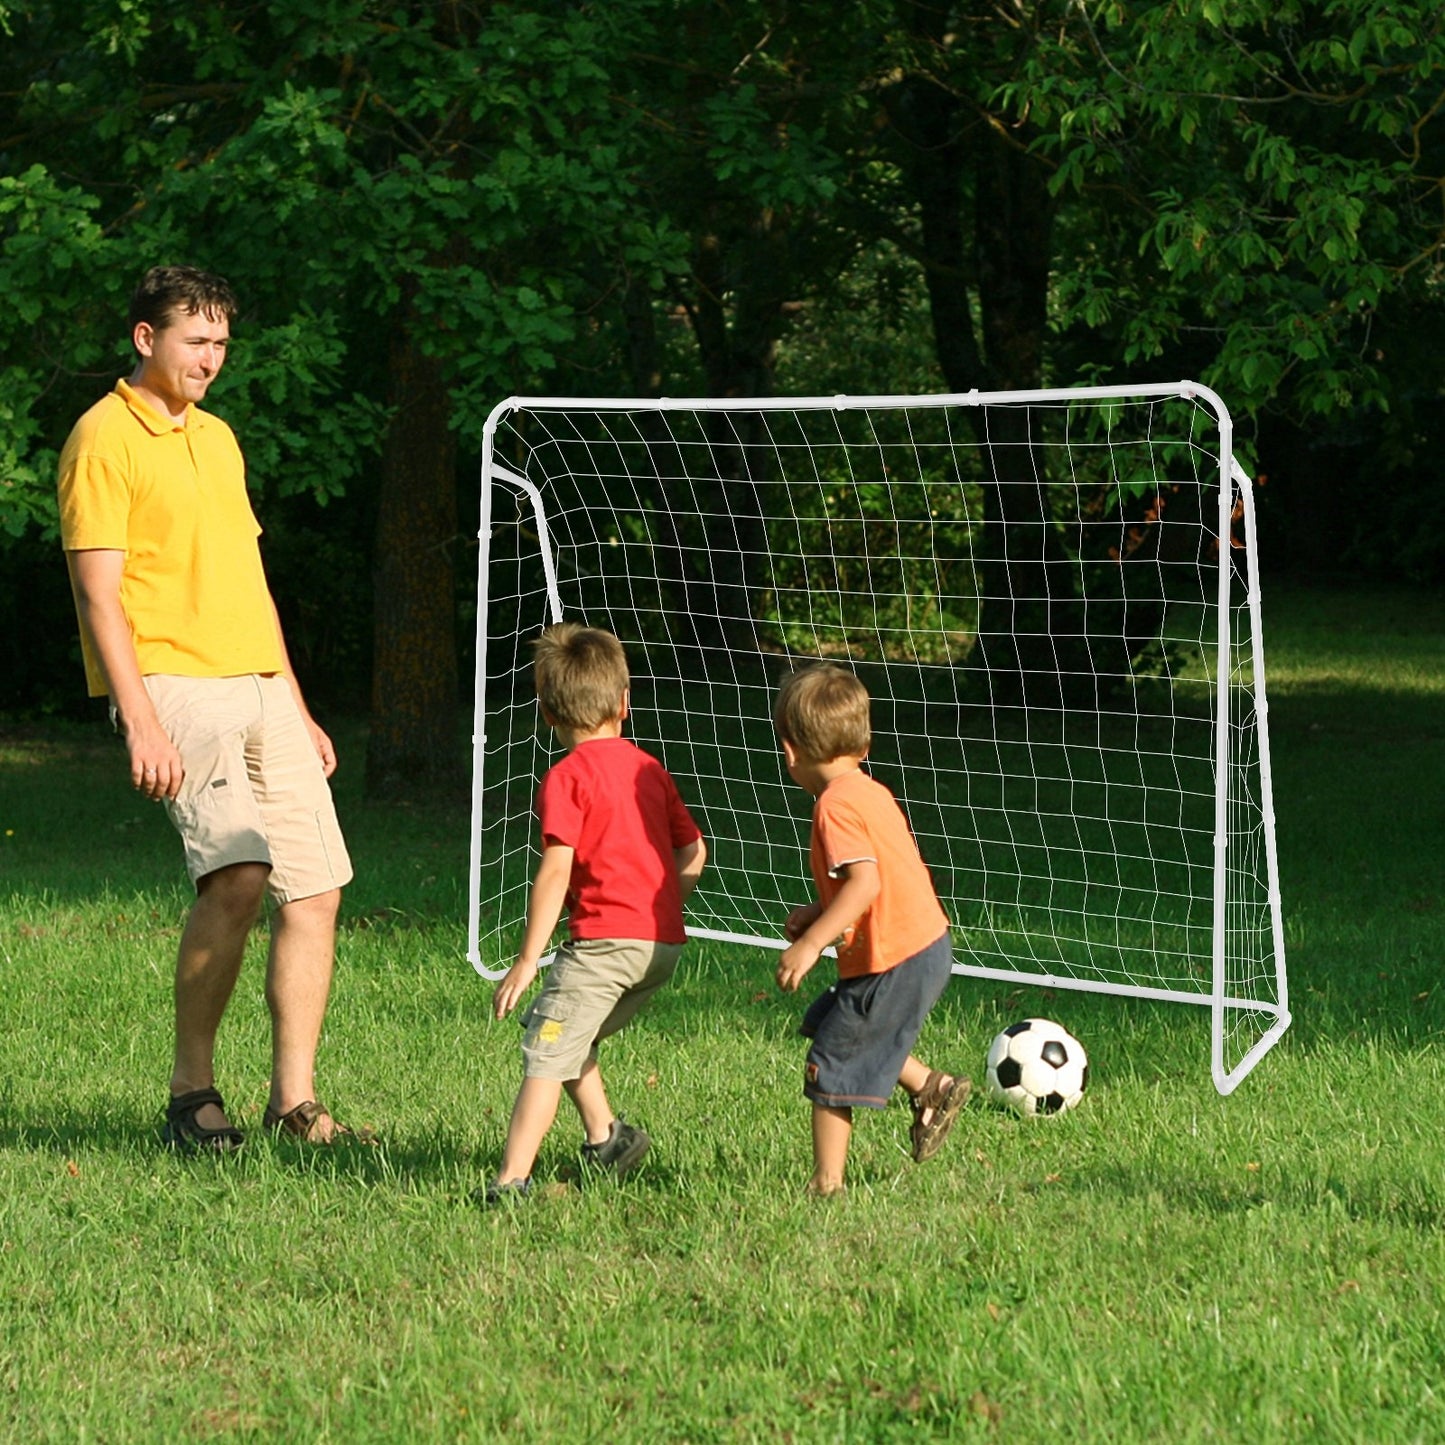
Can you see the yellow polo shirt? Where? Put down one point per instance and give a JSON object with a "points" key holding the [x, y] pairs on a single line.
{"points": [[171, 496]]}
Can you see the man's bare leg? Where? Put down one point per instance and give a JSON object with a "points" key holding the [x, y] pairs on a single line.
{"points": [[213, 943], [298, 985]]}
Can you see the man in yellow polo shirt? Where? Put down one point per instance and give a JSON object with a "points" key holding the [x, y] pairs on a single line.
{"points": [[177, 625]]}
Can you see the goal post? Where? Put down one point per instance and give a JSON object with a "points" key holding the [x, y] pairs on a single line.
{"points": [[1052, 596]]}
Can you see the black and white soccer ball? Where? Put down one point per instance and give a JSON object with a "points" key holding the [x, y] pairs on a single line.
{"points": [[1036, 1067]]}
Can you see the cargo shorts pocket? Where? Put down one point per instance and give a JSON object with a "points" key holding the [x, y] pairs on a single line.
{"points": [[545, 1021]]}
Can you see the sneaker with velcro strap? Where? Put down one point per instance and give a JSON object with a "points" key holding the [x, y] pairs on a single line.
{"points": [[619, 1152]]}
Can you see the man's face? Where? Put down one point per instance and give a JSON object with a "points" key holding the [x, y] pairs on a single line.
{"points": [[181, 360]]}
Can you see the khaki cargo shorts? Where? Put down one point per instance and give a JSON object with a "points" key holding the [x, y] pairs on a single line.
{"points": [[254, 791], [595, 987]]}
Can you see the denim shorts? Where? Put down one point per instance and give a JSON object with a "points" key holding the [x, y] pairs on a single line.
{"points": [[863, 1029]]}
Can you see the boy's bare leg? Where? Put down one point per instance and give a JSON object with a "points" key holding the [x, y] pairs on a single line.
{"points": [[832, 1129], [213, 943], [587, 1093], [532, 1116], [298, 984]]}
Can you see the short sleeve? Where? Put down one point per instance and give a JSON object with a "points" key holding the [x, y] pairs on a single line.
{"points": [[843, 836], [95, 502], [561, 808]]}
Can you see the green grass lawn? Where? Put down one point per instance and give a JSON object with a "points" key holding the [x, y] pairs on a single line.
{"points": [[1160, 1264]]}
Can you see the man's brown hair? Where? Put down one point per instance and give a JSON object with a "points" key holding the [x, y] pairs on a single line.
{"points": [[823, 710], [168, 292], [581, 675]]}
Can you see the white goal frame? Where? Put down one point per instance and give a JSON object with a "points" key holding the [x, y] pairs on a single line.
{"points": [[1247, 995]]}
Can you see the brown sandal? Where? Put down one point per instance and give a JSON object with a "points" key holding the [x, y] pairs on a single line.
{"points": [[300, 1123], [944, 1100], [184, 1132]]}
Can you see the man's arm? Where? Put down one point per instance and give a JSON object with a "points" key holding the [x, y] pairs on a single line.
{"points": [[95, 577], [319, 740]]}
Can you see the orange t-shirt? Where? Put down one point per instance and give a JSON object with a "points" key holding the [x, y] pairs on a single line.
{"points": [[855, 819]]}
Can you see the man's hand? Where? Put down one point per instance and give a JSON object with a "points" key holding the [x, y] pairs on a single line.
{"points": [[322, 744], [156, 770], [518, 980]]}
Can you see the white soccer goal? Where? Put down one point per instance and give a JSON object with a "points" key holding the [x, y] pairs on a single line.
{"points": [[1052, 597]]}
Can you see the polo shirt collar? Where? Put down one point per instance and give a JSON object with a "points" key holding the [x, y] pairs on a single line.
{"points": [[155, 422]]}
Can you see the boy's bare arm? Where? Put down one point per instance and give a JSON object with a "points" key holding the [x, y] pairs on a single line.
{"points": [[689, 861], [544, 908], [801, 919], [860, 887]]}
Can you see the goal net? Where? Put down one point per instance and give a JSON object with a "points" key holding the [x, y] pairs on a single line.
{"points": [[1052, 597]]}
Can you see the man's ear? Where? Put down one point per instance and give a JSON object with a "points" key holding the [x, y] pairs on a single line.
{"points": [[143, 338]]}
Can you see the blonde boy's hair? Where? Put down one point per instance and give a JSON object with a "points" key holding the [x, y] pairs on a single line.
{"points": [[823, 711], [581, 675]]}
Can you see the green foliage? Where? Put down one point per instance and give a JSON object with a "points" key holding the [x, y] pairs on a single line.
{"points": [[48, 239], [1278, 161], [645, 196], [302, 432]]}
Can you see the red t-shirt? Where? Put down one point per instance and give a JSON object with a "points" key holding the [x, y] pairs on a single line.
{"points": [[619, 811], [857, 818]]}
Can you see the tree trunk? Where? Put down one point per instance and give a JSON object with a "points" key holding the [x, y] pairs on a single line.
{"points": [[1030, 630], [974, 185], [413, 742], [928, 121], [738, 360]]}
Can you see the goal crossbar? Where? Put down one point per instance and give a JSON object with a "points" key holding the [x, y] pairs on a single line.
{"points": [[1052, 595]]}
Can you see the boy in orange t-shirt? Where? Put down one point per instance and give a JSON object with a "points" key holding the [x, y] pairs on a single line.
{"points": [[876, 896]]}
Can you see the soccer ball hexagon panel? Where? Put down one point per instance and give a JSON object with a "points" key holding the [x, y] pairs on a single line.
{"points": [[1036, 1067]]}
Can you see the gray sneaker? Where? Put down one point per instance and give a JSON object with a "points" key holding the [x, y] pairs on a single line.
{"points": [[619, 1151], [513, 1191]]}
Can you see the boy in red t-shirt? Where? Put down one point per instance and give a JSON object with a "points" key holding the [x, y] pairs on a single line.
{"points": [[621, 852], [876, 895]]}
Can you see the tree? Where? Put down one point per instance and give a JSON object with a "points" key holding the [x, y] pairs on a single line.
{"points": [[748, 140], [1240, 192], [1271, 220], [428, 207], [419, 173]]}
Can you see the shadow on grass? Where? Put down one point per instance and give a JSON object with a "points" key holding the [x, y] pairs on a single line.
{"points": [[438, 1160], [1412, 1202], [67, 1132]]}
